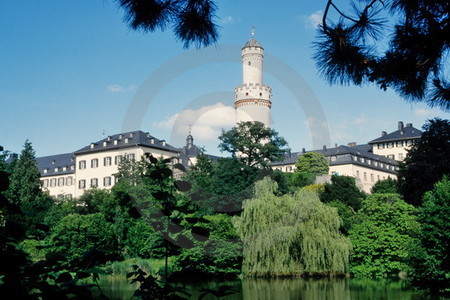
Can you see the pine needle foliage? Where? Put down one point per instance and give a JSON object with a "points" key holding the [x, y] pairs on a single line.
{"points": [[290, 235]]}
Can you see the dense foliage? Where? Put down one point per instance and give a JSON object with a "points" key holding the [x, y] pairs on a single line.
{"points": [[431, 257], [290, 235], [253, 143], [427, 161], [382, 239], [388, 185], [313, 163], [222, 185], [343, 194], [413, 62]]}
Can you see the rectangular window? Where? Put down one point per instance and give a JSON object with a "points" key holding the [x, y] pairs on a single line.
{"points": [[365, 176], [82, 164], [107, 161], [372, 178], [82, 184], [400, 156], [130, 156], [69, 180], [94, 163], [117, 159], [52, 182], [357, 174], [107, 181], [94, 182], [61, 181], [45, 183]]}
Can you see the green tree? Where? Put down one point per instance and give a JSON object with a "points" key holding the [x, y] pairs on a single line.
{"points": [[221, 186], [313, 163], [253, 143], [290, 235], [413, 64], [382, 240], [75, 234], [25, 189], [385, 186], [427, 161], [25, 185], [191, 21], [343, 194], [220, 256], [343, 189], [431, 257]]}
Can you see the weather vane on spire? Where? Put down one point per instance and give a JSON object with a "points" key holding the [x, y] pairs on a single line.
{"points": [[253, 30], [190, 129]]}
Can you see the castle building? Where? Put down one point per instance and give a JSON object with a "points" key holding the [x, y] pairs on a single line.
{"points": [[368, 163], [252, 97], [396, 144], [94, 165]]}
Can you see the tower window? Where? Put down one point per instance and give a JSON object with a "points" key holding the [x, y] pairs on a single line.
{"points": [[246, 94], [249, 63], [260, 94]]}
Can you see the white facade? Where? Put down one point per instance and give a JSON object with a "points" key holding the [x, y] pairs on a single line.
{"points": [[70, 175], [252, 97]]}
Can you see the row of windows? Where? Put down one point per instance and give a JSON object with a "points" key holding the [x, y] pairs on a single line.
{"points": [[107, 161], [376, 163], [107, 181], [372, 177], [61, 181], [59, 169], [397, 144]]}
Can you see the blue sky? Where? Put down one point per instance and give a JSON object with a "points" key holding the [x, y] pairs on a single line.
{"points": [[73, 71]]}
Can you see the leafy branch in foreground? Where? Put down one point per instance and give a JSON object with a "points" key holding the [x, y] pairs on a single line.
{"points": [[414, 63], [191, 20]]}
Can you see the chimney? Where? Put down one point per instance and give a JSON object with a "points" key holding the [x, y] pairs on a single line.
{"points": [[352, 144], [303, 150], [408, 125], [383, 133], [400, 125], [324, 147], [335, 145]]}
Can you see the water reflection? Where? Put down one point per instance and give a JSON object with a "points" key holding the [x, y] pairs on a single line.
{"points": [[287, 289]]}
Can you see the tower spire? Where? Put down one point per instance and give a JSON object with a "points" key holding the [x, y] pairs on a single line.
{"points": [[253, 30]]}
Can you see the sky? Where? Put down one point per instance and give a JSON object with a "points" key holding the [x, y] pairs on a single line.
{"points": [[73, 72]]}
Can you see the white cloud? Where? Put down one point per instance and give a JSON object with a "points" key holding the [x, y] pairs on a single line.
{"points": [[207, 121], [117, 88], [227, 20], [314, 19], [423, 112]]}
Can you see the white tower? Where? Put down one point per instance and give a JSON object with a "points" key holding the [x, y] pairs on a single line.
{"points": [[252, 98]]}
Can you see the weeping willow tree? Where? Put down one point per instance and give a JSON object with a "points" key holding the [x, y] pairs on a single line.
{"points": [[291, 235]]}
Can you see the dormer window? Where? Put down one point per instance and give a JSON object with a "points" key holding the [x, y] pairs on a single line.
{"points": [[108, 138], [105, 144], [45, 171], [120, 136], [56, 170], [131, 134], [64, 169], [92, 145], [163, 142], [115, 142], [53, 162], [152, 141], [126, 141]]}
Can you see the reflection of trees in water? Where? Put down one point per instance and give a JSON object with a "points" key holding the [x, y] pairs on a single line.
{"points": [[296, 288], [334, 288]]}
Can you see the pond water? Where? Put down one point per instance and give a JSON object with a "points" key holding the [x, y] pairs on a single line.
{"points": [[285, 289]]}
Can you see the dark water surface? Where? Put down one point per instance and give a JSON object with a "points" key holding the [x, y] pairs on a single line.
{"points": [[286, 289]]}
